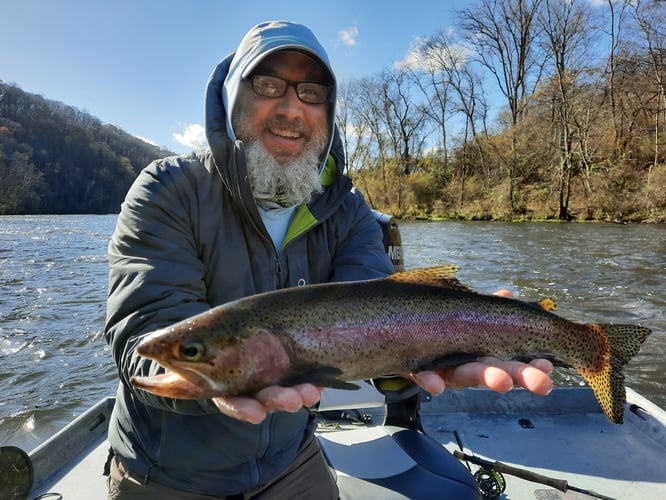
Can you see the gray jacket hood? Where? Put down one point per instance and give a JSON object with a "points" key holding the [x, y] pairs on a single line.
{"points": [[222, 92], [260, 41]]}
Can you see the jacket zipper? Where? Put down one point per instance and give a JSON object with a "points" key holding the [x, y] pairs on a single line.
{"points": [[278, 272], [266, 426]]}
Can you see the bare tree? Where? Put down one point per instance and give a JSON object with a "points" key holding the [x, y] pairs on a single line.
{"points": [[369, 116], [404, 118], [616, 12], [651, 21], [567, 31], [452, 88], [429, 63], [404, 121], [353, 129], [502, 33]]}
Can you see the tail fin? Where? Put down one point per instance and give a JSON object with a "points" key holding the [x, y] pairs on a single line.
{"points": [[623, 342]]}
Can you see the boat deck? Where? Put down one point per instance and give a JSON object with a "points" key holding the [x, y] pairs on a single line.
{"points": [[559, 436], [564, 436]]}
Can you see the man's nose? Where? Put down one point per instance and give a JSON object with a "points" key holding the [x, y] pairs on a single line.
{"points": [[290, 103]]}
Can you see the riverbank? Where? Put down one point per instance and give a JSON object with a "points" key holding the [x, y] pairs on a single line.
{"points": [[660, 219]]}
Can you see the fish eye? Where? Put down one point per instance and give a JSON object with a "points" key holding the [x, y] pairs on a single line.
{"points": [[192, 350]]}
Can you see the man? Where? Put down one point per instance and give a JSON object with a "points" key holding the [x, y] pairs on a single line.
{"points": [[266, 208]]}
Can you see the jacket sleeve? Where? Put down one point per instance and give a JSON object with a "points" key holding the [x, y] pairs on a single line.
{"points": [[360, 254], [155, 274]]}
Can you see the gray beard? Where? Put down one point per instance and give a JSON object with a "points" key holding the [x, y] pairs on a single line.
{"points": [[287, 184]]}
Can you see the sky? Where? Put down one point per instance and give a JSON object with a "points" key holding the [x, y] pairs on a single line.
{"points": [[142, 65]]}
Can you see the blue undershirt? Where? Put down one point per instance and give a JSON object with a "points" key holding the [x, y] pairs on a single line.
{"points": [[277, 222]]}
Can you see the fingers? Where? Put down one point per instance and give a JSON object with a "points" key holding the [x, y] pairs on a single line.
{"points": [[271, 399], [241, 408], [542, 364], [499, 376], [429, 381], [291, 399], [502, 376]]}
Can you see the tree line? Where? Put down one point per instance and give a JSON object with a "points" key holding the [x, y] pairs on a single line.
{"points": [[582, 127], [580, 132], [56, 159]]}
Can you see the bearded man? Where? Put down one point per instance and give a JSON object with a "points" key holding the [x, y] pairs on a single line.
{"points": [[266, 207]]}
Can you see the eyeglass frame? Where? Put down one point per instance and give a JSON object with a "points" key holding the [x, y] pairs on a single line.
{"points": [[290, 83]]}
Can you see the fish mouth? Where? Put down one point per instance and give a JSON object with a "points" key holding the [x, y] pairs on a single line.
{"points": [[170, 385]]}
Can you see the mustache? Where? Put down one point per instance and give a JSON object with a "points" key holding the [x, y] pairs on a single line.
{"points": [[281, 123]]}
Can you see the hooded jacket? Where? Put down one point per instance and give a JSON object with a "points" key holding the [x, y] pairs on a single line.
{"points": [[189, 237]]}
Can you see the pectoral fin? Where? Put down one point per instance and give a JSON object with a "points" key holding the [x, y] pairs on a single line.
{"points": [[450, 361], [323, 376]]}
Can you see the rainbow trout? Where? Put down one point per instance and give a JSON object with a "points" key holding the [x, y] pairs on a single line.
{"points": [[334, 333]]}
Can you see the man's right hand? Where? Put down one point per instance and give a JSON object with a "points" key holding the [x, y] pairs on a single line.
{"points": [[268, 400]]}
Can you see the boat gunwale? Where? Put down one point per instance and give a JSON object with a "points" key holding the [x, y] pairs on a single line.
{"points": [[60, 453]]}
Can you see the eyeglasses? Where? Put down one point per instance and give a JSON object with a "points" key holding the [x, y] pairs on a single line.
{"points": [[273, 86]]}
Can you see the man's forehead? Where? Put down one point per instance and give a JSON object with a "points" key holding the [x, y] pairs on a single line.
{"points": [[292, 60]]}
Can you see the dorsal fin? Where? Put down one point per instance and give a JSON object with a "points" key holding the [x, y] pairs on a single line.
{"points": [[441, 276]]}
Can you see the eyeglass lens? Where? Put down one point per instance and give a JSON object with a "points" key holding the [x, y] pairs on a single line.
{"points": [[273, 86]]}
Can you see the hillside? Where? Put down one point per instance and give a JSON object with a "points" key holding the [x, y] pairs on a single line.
{"points": [[56, 159]]}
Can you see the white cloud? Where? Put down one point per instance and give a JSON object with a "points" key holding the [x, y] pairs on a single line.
{"points": [[435, 56], [348, 36], [602, 3], [152, 143], [415, 59], [193, 136]]}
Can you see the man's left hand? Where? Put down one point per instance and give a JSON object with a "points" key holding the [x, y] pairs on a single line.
{"points": [[499, 376]]}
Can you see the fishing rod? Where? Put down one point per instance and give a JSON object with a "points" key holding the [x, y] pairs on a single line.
{"points": [[559, 484]]}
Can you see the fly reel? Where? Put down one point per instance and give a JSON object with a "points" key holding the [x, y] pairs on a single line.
{"points": [[490, 482]]}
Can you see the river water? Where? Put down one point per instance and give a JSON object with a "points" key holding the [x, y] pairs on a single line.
{"points": [[54, 362]]}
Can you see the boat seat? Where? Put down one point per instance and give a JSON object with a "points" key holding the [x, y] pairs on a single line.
{"points": [[387, 462]]}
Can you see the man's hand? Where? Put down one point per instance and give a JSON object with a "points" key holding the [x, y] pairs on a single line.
{"points": [[499, 376], [273, 398]]}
